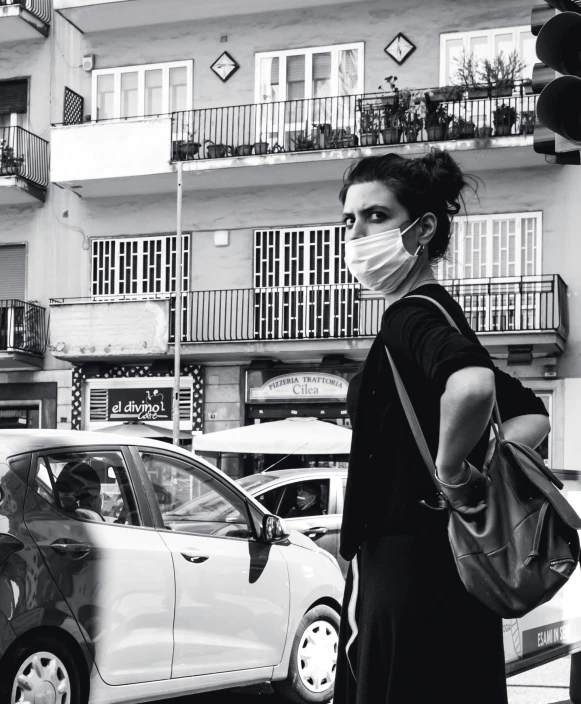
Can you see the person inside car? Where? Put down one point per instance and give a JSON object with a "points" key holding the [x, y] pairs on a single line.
{"points": [[79, 490], [307, 502]]}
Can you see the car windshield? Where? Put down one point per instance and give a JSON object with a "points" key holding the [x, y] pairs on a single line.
{"points": [[254, 481]]}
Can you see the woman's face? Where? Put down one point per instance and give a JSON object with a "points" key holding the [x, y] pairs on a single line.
{"points": [[371, 208]]}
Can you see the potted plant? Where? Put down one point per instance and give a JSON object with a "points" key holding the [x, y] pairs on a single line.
{"points": [[217, 151], [484, 132], [369, 126], [500, 75], [466, 76], [527, 121], [343, 139], [504, 118], [186, 149], [437, 119], [392, 91], [260, 147], [243, 150], [322, 135], [10, 164], [301, 142]]}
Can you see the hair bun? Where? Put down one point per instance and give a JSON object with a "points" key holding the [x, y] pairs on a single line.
{"points": [[446, 177]]}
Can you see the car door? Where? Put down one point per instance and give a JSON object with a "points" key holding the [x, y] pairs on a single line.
{"points": [[322, 525], [111, 565], [232, 591]]}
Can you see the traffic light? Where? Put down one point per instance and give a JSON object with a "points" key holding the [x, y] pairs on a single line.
{"points": [[557, 26]]}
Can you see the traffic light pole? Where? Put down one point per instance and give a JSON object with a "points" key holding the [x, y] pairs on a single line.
{"points": [[178, 310]]}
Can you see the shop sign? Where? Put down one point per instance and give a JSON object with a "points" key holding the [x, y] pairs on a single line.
{"points": [[139, 404], [312, 386]]}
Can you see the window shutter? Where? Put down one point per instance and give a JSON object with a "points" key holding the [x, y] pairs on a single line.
{"points": [[528, 246], [98, 401], [321, 66], [13, 272], [13, 97], [295, 69], [274, 71]]}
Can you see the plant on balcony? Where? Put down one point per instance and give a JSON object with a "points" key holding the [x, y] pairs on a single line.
{"points": [[461, 126], [504, 119], [321, 135], [527, 121], [484, 132], [466, 75], [302, 141], [436, 118], [391, 94], [261, 147], [343, 139], [369, 126], [243, 150], [501, 74], [217, 151], [10, 164]]}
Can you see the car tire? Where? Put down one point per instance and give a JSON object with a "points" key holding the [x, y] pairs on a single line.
{"points": [[319, 632], [45, 652]]}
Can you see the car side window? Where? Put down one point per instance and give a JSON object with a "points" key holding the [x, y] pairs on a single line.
{"points": [[271, 499], [305, 498], [192, 500], [91, 486]]}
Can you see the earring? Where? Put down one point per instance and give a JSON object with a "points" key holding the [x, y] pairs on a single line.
{"points": [[419, 251]]}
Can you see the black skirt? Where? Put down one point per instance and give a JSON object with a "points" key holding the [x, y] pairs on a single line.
{"points": [[421, 637]]}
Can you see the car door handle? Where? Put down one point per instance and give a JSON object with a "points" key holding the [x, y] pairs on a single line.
{"points": [[73, 550], [315, 532], [194, 557]]}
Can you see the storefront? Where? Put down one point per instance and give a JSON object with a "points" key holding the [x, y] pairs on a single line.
{"points": [[275, 394], [31, 405]]}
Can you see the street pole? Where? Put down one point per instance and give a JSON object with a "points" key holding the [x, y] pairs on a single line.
{"points": [[178, 311]]}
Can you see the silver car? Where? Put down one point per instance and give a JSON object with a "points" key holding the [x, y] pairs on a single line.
{"points": [[127, 600]]}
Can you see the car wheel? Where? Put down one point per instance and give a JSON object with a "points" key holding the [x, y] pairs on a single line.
{"points": [[313, 660], [41, 670]]}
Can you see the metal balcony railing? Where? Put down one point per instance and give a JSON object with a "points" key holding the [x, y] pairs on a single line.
{"points": [[22, 327], [38, 8], [341, 122], [334, 311], [24, 154]]}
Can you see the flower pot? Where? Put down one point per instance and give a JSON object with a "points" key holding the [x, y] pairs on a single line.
{"points": [[477, 92], [261, 147], [466, 131], [243, 150], [503, 92], [216, 151], [503, 130], [484, 132], [528, 129], [187, 150], [390, 135], [436, 133], [369, 139], [347, 142], [411, 136]]}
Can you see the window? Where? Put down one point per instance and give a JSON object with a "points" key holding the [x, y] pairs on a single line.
{"points": [[314, 293], [13, 104], [546, 447], [193, 501], [484, 246], [318, 72], [304, 499], [13, 272], [137, 91], [138, 267], [486, 44], [92, 486]]}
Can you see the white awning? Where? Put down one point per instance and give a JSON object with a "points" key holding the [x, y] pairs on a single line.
{"points": [[292, 436], [137, 429]]}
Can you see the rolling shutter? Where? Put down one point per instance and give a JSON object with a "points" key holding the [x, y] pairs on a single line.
{"points": [[13, 97], [13, 272]]}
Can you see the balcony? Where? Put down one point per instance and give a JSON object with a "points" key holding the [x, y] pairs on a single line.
{"points": [[22, 335], [23, 166], [21, 20], [296, 323], [104, 15], [221, 147]]}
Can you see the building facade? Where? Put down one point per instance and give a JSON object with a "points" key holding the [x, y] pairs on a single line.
{"points": [[265, 104]]}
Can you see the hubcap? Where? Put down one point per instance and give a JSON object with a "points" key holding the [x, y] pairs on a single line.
{"points": [[317, 656], [42, 679]]}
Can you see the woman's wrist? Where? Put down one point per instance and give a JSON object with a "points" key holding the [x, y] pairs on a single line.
{"points": [[453, 475]]}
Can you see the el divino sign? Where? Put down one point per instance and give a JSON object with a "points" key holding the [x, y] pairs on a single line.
{"points": [[302, 386], [139, 404]]}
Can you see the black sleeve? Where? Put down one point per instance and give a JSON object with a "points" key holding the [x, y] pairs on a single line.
{"points": [[425, 337], [514, 399]]}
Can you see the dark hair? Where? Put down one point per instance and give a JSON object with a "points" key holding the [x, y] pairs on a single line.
{"points": [[429, 184]]}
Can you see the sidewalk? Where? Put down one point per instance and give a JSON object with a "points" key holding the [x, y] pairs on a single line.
{"points": [[548, 684]]}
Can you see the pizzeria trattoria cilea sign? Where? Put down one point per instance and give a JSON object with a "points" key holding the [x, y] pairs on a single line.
{"points": [[139, 404], [311, 386]]}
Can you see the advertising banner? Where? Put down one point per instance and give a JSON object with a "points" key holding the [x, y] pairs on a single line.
{"points": [[139, 404]]}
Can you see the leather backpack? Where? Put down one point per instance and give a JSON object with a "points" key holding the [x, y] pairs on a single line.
{"points": [[517, 553]]}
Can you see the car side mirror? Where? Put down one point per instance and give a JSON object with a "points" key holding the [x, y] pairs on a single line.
{"points": [[273, 529]]}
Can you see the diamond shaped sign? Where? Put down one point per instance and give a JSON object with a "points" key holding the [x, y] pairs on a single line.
{"points": [[225, 66], [400, 48]]}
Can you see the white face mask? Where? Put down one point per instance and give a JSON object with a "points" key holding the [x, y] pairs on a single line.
{"points": [[380, 262]]}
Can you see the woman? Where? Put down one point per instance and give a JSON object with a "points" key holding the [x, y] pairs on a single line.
{"points": [[410, 633]]}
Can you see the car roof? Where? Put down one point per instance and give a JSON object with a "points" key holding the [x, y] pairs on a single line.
{"points": [[16, 442], [303, 472]]}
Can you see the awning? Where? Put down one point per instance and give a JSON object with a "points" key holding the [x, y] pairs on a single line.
{"points": [[292, 436], [143, 430]]}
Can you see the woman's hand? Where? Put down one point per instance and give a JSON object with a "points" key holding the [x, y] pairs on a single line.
{"points": [[466, 494]]}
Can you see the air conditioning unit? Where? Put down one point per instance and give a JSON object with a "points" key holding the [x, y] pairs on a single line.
{"points": [[89, 62]]}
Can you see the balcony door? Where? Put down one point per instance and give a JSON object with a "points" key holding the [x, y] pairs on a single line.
{"points": [[300, 89], [303, 290], [491, 269]]}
